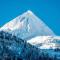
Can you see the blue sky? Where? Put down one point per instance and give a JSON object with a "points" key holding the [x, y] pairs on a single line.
{"points": [[47, 10]]}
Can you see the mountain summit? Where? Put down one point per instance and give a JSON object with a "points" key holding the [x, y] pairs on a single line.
{"points": [[27, 25]]}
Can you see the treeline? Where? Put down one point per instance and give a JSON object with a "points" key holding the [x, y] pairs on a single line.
{"points": [[13, 48]]}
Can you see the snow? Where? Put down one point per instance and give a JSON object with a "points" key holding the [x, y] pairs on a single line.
{"points": [[38, 39], [44, 42], [27, 26]]}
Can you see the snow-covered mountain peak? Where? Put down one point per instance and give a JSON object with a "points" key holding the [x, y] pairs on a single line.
{"points": [[27, 25], [29, 12], [17, 22], [26, 14]]}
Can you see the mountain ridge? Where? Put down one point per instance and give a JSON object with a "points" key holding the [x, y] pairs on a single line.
{"points": [[27, 25]]}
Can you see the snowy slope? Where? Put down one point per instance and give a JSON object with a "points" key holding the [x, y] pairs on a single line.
{"points": [[27, 25], [45, 42]]}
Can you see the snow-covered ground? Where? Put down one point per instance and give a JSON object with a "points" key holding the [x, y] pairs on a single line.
{"points": [[45, 42]]}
